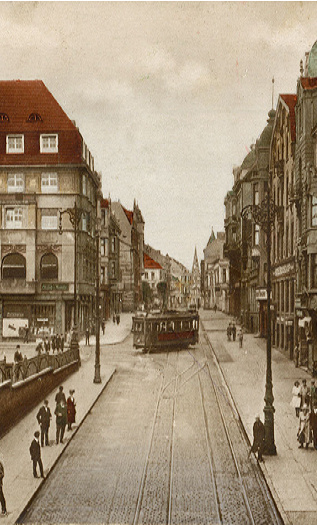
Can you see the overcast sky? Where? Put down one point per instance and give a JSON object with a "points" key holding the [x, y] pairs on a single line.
{"points": [[168, 96]]}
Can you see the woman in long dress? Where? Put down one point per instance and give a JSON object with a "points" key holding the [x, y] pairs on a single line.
{"points": [[304, 431], [71, 410], [296, 398]]}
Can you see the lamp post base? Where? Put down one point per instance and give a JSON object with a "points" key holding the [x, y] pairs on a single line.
{"points": [[269, 444], [97, 378]]}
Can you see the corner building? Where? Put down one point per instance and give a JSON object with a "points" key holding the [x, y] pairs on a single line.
{"points": [[45, 168]]}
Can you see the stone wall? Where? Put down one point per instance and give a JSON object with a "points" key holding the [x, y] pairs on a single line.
{"points": [[17, 399]]}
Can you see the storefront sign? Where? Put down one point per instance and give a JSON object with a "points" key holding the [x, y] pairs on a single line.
{"points": [[52, 287], [42, 319], [14, 327], [282, 270], [261, 294]]}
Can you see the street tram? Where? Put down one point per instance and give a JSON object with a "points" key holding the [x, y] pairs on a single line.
{"points": [[154, 331]]}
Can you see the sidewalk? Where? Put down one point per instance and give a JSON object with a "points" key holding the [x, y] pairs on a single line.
{"points": [[113, 334], [292, 474], [19, 485]]}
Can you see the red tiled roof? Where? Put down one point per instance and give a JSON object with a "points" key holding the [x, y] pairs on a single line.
{"points": [[18, 100], [149, 263], [309, 82], [291, 100], [104, 203], [129, 214]]}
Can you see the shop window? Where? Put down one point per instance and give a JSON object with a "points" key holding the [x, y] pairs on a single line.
{"points": [[14, 266], [49, 266]]}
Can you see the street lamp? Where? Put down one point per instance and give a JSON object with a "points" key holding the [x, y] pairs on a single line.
{"points": [[97, 377], [264, 215], [74, 214]]}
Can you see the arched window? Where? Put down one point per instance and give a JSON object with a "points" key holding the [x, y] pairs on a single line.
{"points": [[49, 266], [14, 266]]}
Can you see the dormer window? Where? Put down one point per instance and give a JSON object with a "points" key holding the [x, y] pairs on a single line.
{"points": [[34, 117], [49, 143], [15, 143], [4, 117]]}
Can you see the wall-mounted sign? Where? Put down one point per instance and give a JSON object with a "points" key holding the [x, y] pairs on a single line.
{"points": [[284, 269], [261, 294], [55, 287]]}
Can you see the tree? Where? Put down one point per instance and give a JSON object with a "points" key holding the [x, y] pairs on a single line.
{"points": [[147, 294], [162, 291]]}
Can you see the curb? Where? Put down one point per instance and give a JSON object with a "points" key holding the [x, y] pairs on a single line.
{"points": [[282, 514], [24, 511]]}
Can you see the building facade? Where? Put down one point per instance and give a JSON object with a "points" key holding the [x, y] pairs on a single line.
{"points": [[110, 281], [284, 233], [45, 169], [215, 292]]}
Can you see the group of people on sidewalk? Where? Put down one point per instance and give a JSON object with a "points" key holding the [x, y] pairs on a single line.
{"points": [[65, 412], [304, 400], [232, 333], [56, 343]]}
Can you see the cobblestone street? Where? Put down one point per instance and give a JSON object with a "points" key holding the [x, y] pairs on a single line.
{"points": [[163, 444]]}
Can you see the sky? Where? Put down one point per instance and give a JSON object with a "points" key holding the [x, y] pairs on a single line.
{"points": [[168, 96]]}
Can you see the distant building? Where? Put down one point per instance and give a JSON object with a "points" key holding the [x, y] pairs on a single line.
{"points": [[153, 275], [131, 224], [45, 168], [195, 283], [216, 274], [110, 275]]}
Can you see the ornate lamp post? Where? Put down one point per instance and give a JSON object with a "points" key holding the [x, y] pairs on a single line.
{"points": [[97, 377], [74, 214], [264, 215]]}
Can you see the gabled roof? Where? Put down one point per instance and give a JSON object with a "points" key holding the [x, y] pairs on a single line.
{"points": [[21, 98], [129, 214], [290, 100], [150, 264], [27, 107]]}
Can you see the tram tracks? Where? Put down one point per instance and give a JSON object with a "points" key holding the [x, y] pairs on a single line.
{"points": [[259, 504]]}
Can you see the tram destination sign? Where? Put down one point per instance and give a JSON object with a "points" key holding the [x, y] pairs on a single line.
{"points": [[55, 287]]}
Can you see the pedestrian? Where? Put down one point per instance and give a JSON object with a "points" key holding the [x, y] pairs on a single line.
{"points": [[24, 367], [2, 498], [26, 334], [61, 420], [71, 409], [17, 355], [304, 434], [62, 343], [240, 338], [35, 451], [114, 318], [58, 343], [229, 332], [313, 425], [258, 438], [296, 398], [44, 417], [53, 343], [215, 308], [312, 394], [47, 345], [103, 325], [296, 356], [118, 318], [60, 396], [87, 336], [304, 393], [39, 348], [234, 331]]}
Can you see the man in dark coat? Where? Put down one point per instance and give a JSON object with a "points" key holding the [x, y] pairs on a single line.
{"points": [[258, 438], [2, 498], [61, 420], [44, 418], [60, 396], [35, 451]]}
